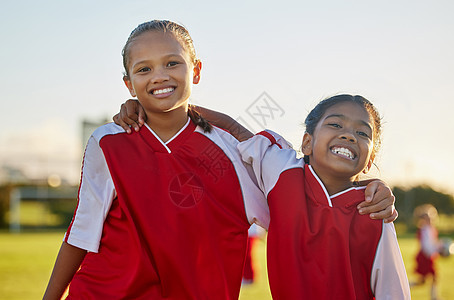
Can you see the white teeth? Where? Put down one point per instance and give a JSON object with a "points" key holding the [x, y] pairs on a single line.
{"points": [[343, 151], [163, 91]]}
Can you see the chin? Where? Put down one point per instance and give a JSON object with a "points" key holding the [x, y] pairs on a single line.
{"points": [[346, 172]]}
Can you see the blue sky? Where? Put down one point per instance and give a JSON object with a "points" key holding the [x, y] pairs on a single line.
{"points": [[61, 63]]}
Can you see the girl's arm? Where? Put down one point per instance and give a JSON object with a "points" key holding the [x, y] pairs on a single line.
{"points": [[379, 197], [225, 122], [133, 115], [95, 196], [68, 262]]}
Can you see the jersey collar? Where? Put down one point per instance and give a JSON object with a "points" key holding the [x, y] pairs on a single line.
{"points": [[174, 142], [346, 198]]}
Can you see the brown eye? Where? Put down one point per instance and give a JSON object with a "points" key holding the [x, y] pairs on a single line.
{"points": [[362, 133], [145, 69], [172, 64]]}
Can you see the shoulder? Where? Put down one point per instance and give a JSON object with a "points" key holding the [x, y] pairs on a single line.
{"points": [[223, 134], [219, 136], [107, 129], [275, 139]]}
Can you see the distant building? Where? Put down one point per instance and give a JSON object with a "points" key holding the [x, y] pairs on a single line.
{"points": [[12, 175], [87, 129]]}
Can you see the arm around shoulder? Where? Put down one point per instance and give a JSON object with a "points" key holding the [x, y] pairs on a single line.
{"points": [[268, 154], [225, 122]]}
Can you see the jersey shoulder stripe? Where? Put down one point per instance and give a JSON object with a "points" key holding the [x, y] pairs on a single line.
{"points": [[107, 129]]}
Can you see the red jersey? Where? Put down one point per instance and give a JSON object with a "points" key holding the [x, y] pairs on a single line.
{"points": [[163, 220], [319, 247]]}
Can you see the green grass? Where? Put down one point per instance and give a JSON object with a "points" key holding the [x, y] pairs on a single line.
{"points": [[409, 248], [26, 261], [259, 289]]}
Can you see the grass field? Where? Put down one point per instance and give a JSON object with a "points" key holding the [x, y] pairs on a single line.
{"points": [[409, 247], [26, 261]]}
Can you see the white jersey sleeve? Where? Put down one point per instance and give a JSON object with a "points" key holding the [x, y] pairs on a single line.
{"points": [[95, 196], [389, 278], [269, 154], [255, 204]]}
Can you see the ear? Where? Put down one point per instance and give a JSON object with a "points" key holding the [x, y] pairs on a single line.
{"points": [[197, 70], [306, 147], [128, 84]]}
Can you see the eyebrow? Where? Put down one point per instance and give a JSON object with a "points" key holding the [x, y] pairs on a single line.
{"points": [[340, 116]]}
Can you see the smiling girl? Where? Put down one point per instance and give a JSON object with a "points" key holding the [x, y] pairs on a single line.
{"points": [[319, 247], [178, 228]]}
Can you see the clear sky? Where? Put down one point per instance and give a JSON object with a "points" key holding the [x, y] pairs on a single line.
{"points": [[61, 63]]}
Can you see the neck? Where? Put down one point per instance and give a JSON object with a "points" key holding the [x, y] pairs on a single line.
{"points": [[167, 124], [334, 184], [336, 187]]}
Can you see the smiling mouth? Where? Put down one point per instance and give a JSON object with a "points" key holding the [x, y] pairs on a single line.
{"points": [[162, 91], [342, 151]]}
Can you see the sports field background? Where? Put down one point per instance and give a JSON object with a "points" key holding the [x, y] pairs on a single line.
{"points": [[26, 261]]}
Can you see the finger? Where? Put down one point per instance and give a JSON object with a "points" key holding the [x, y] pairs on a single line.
{"points": [[133, 121], [393, 217], [127, 112], [132, 110], [129, 120], [379, 191], [386, 213], [370, 191], [128, 115], [115, 118], [120, 122], [373, 207], [125, 126], [379, 201], [142, 115], [135, 111]]}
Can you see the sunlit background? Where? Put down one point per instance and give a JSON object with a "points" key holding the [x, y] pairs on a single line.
{"points": [[264, 63], [61, 64]]}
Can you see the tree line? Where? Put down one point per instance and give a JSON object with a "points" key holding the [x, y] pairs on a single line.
{"points": [[409, 198]]}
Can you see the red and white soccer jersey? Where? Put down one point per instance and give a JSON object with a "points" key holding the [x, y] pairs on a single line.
{"points": [[425, 259], [163, 220], [319, 247]]}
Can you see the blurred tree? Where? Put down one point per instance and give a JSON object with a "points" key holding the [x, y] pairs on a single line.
{"points": [[408, 199]]}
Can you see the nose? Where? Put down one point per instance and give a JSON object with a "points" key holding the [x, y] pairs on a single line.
{"points": [[349, 136], [159, 75]]}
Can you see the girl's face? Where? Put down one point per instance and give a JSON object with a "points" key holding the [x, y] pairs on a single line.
{"points": [[161, 72], [342, 143]]}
